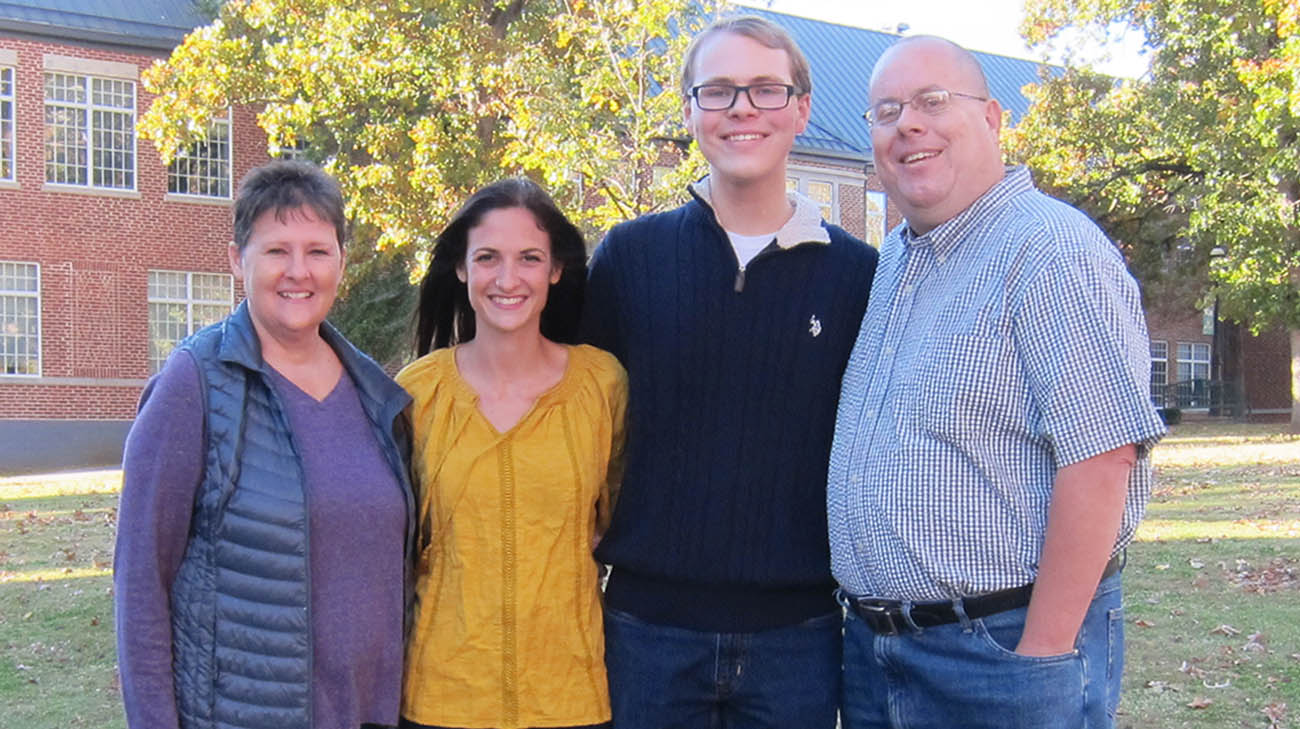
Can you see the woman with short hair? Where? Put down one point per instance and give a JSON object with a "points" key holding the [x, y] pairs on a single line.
{"points": [[266, 516]]}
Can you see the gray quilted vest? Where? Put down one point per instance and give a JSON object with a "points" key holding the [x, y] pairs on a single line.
{"points": [[241, 618]]}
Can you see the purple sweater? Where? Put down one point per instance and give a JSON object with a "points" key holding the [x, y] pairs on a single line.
{"points": [[357, 522]]}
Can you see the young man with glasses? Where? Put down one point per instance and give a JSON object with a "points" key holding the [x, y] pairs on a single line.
{"points": [[991, 456], [734, 316]]}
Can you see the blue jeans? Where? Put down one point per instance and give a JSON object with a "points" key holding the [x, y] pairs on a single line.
{"points": [[968, 675], [663, 677]]}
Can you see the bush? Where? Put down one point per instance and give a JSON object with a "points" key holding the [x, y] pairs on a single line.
{"points": [[1171, 416]]}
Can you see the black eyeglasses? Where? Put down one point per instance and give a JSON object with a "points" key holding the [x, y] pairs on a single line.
{"points": [[717, 97], [933, 103]]}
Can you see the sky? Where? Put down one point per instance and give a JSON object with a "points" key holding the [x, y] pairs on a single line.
{"points": [[989, 26]]}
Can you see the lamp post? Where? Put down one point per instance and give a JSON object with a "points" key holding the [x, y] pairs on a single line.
{"points": [[1217, 254]]}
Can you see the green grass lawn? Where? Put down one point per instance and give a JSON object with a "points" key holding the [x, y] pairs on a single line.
{"points": [[1212, 591], [57, 662], [1213, 584]]}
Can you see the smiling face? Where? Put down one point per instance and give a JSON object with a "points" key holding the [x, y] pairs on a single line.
{"points": [[508, 270], [744, 145], [934, 167], [291, 267]]}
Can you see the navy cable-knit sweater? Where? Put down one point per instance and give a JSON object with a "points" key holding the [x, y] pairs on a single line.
{"points": [[720, 523]]}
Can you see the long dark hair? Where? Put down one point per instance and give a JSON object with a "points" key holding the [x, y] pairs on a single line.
{"points": [[444, 317]]}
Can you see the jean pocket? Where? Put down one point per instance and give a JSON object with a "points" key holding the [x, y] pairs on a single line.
{"points": [[1001, 633]]}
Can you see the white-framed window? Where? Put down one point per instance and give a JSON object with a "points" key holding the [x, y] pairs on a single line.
{"points": [[20, 318], [1159, 371], [203, 168], [821, 191], [89, 131], [181, 303], [7, 132], [1193, 361], [875, 222]]}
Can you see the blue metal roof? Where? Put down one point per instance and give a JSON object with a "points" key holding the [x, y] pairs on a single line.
{"points": [[145, 23], [842, 56]]}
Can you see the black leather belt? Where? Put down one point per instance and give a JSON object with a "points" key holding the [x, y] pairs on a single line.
{"points": [[886, 617]]}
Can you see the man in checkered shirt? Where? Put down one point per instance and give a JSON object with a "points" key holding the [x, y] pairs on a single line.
{"points": [[991, 453]]}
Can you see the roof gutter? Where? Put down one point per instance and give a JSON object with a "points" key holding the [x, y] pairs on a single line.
{"points": [[163, 39]]}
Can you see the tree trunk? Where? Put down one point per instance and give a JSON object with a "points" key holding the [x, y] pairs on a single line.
{"points": [[1295, 380]]}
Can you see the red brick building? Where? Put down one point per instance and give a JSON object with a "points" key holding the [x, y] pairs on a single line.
{"points": [[107, 256]]}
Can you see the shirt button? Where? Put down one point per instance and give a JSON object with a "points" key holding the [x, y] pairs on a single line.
{"points": [[869, 415]]}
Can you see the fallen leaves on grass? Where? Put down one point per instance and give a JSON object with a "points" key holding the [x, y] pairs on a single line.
{"points": [[1225, 629], [1256, 643], [1144, 623], [1275, 712], [1279, 574], [1192, 670], [1200, 703]]}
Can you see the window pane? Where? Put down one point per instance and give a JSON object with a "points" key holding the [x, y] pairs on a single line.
{"points": [[874, 218], [203, 168], [180, 304], [6, 124], [205, 314], [20, 319], [113, 93], [166, 285], [167, 327], [62, 87], [114, 145], [212, 287], [18, 277], [66, 145], [89, 131]]}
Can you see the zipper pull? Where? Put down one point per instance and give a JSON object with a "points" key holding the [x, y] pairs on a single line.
{"points": [[740, 279]]}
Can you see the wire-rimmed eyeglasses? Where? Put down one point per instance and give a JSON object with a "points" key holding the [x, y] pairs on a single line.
{"points": [[933, 103]]}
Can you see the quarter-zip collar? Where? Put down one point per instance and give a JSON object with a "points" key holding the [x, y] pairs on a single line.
{"points": [[805, 226]]}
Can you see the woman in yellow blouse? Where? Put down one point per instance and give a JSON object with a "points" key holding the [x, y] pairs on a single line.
{"points": [[516, 433]]}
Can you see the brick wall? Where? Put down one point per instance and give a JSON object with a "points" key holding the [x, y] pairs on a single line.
{"points": [[95, 249], [1268, 387]]}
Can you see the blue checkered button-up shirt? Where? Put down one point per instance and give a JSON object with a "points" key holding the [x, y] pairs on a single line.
{"points": [[1002, 345]]}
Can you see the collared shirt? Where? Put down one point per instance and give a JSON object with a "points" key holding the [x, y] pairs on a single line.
{"points": [[997, 348]]}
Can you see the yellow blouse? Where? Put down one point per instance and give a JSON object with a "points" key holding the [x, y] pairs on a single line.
{"points": [[507, 628]]}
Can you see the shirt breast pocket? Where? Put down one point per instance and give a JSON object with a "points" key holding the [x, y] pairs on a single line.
{"points": [[966, 386]]}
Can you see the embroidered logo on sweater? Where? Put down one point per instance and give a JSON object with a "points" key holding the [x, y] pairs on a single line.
{"points": [[814, 325]]}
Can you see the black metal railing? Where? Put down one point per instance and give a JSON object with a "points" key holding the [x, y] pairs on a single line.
{"points": [[1219, 397]]}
